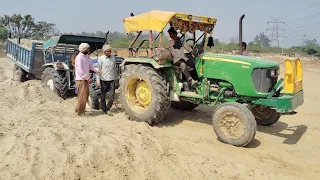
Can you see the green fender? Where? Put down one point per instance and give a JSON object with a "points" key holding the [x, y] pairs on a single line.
{"points": [[140, 60]]}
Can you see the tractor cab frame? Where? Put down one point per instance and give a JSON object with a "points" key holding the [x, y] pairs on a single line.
{"points": [[183, 23]]}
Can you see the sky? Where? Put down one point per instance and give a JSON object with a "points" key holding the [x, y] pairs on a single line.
{"points": [[300, 17]]}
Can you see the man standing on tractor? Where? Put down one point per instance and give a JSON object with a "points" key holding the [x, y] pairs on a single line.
{"points": [[83, 66], [176, 48], [106, 80]]}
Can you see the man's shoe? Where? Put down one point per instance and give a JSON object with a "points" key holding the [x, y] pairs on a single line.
{"points": [[82, 114], [108, 113]]}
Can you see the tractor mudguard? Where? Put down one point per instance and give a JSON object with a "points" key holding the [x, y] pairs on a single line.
{"points": [[145, 61], [56, 65]]}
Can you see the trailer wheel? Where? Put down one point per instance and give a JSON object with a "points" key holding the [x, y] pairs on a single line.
{"points": [[19, 74], [56, 81], [264, 115], [234, 124]]}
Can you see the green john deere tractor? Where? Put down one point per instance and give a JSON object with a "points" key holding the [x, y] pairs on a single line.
{"points": [[245, 91]]}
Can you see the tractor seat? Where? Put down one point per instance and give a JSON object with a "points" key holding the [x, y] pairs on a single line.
{"points": [[164, 56]]}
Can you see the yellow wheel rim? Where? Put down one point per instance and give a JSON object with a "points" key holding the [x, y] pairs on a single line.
{"points": [[139, 94], [143, 93]]}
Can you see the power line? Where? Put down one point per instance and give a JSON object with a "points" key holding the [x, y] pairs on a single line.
{"points": [[295, 30], [275, 29], [299, 11], [298, 27], [303, 18], [288, 33], [300, 35], [307, 28]]}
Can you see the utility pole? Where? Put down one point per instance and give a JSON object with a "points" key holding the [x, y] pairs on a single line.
{"points": [[304, 40], [222, 45], [275, 29]]}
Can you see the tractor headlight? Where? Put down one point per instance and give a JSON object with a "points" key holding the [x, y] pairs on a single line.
{"points": [[278, 72], [271, 73]]}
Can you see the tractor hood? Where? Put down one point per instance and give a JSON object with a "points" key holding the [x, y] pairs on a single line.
{"points": [[239, 59]]}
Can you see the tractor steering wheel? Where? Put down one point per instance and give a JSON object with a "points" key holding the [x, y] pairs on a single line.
{"points": [[197, 51]]}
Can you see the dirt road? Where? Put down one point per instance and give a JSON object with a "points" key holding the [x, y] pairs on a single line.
{"points": [[40, 138]]}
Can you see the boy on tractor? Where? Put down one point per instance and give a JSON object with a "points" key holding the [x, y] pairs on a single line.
{"points": [[176, 47]]}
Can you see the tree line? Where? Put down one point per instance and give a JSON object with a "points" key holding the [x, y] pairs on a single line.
{"points": [[26, 27]]}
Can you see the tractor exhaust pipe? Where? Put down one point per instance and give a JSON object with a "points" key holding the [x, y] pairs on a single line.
{"points": [[240, 33], [107, 38]]}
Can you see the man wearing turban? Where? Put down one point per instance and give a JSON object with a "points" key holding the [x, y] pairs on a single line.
{"points": [[83, 66], [106, 80]]}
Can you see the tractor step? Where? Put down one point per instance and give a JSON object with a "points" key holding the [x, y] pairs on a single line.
{"points": [[190, 94]]}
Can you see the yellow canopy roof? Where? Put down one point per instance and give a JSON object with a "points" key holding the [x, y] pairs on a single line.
{"points": [[157, 20]]}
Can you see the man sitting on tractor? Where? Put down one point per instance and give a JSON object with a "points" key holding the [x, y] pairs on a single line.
{"points": [[176, 48]]}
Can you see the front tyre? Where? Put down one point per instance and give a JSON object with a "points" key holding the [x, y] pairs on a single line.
{"points": [[264, 115], [56, 81], [234, 124], [93, 100]]}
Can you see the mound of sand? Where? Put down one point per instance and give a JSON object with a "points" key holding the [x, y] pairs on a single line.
{"points": [[41, 138], [2, 53]]}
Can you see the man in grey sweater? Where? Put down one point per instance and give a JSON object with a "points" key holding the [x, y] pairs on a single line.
{"points": [[106, 80]]}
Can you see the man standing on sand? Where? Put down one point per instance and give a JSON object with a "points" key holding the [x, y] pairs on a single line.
{"points": [[106, 79], [83, 66]]}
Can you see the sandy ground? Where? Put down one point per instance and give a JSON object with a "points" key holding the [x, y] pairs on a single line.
{"points": [[41, 138]]}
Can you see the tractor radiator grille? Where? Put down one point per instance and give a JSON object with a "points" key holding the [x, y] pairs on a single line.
{"points": [[265, 79]]}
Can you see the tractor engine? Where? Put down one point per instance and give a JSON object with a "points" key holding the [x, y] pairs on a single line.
{"points": [[216, 86]]}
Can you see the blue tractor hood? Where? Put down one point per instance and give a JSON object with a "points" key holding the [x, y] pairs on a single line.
{"points": [[94, 42]]}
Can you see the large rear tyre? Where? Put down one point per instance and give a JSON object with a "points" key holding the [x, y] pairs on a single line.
{"points": [[144, 94], [183, 105], [56, 81], [264, 115], [234, 124], [19, 74]]}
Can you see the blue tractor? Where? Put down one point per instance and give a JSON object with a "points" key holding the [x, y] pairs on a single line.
{"points": [[52, 61]]}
